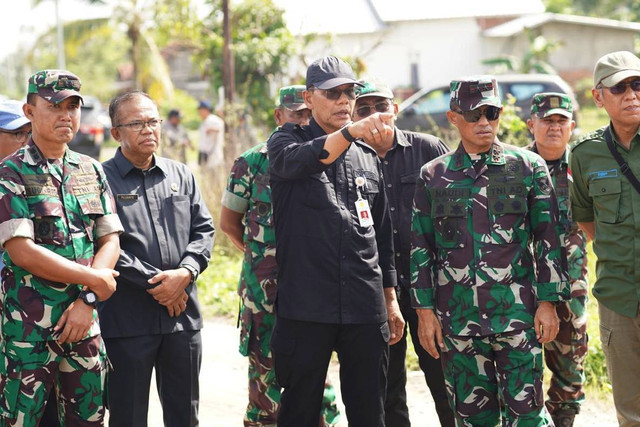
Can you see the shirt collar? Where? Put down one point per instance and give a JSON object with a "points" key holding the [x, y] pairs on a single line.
{"points": [[125, 166], [33, 156], [564, 157], [461, 159]]}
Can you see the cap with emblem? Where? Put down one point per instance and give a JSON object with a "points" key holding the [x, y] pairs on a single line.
{"points": [[614, 67], [329, 72], [373, 87], [11, 115], [55, 85], [290, 97], [470, 93], [548, 103]]}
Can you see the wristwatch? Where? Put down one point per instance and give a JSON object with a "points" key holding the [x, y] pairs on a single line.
{"points": [[193, 271], [89, 297], [345, 133]]}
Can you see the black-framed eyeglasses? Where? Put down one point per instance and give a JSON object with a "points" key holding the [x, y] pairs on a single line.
{"points": [[137, 126], [367, 110], [334, 93], [621, 87], [20, 136], [490, 112]]}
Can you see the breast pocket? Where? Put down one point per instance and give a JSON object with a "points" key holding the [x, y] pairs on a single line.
{"points": [[606, 199], [319, 192], [507, 219], [450, 223], [48, 222], [260, 216], [408, 187]]}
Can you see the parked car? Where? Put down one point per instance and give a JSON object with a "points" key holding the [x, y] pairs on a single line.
{"points": [[95, 126], [429, 105]]}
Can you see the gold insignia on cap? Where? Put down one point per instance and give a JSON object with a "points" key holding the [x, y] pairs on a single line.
{"points": [[174, 186], [554, 102]]}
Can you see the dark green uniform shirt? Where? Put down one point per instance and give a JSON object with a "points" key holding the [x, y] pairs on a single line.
{"points": [[600, 193]]}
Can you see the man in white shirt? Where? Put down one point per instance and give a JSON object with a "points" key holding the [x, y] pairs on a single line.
{"points": [[211, 137]]}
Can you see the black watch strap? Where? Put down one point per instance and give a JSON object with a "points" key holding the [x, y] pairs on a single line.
{"points": [[89, 297], [345, 132]]}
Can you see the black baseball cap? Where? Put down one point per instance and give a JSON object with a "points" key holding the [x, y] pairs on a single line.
{"points": [[330, 72]]}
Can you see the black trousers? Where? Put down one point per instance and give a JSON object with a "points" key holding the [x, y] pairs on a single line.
{"points": [[176, 358], [395, 406], [302, 351]]}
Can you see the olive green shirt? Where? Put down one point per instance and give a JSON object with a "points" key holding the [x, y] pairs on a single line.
{"points": [[602, 194]]}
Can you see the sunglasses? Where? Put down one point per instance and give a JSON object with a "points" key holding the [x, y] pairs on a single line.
{"points": [[621, 88], [367, 110], [490, 112], [335, 94]]}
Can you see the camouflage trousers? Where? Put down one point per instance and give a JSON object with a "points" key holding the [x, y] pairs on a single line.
{"points": [[565, 355], [494, 377], [264, 391], [30, 370]]}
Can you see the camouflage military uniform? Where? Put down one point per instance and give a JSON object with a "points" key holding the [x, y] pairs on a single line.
{"points": [[248, 192], [485, 249], [64, 207], [565, 355]]}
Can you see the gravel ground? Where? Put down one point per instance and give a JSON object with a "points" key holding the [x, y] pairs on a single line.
{"points": [[223, 387]]}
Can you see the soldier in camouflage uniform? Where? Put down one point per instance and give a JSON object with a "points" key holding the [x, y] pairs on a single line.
{"points": [[60, 232], [486, 256], [246, 218], [551, 124]]}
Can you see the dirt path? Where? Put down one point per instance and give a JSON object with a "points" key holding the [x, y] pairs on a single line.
{"points": [[223, 387]]}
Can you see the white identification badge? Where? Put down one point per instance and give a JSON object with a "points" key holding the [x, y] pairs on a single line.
{"points": [[364, 213]]}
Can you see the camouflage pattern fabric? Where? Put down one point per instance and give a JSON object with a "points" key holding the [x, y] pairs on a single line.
{"points": [[473, 92], [29, 369], [548, 103], [485, 245], [31, 206], [248, 192], [29, 194], [565, 356], [479, 369]]}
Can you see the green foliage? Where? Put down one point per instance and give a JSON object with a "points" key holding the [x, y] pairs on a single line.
{"points": [[218, 284], [623, 10], [261, 45], [513, 130], [534, 60]]}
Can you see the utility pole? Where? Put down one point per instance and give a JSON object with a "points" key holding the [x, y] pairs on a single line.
{"points": [[228, 66], [61, 60]]}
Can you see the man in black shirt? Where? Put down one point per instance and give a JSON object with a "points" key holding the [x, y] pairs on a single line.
{"points": [[402, 155], [335, 254], [153, 319]]}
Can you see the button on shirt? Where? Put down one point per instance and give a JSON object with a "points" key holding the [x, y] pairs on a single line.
{"points": [[401, 167], [166, 224], [331, 269], [485, 243], [602, 194]]}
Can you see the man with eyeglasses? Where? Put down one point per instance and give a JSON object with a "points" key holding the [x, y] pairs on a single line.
{"points": [[14, 127], [336, 273], [605, 201], [487, 265], [59, 229], [246, 217], [551, 124], [153, 320], [402, 154]]}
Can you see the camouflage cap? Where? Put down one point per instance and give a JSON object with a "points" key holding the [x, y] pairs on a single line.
{"points": [[614, 67], [549, 103], [373, 87], [55, 85], [290, 97], [470, 93]]}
